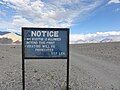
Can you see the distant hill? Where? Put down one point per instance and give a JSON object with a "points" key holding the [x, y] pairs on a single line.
{"points": [[5, 41], [2, 33], [16, 38]]}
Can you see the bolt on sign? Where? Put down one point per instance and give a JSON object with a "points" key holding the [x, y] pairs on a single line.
{"points": [[45, 43]]}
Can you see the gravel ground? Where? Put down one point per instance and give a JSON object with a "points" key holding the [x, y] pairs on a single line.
{"points": [[92, 67]]}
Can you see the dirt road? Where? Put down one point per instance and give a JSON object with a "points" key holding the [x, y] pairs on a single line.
{"points": [[106, 74]]}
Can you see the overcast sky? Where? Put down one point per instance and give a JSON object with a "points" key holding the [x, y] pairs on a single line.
{"points": [[81, 16]]}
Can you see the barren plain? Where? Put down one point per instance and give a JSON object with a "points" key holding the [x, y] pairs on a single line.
{"points": [[92, 67]]}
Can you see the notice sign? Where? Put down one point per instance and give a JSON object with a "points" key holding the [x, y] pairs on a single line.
{"points": [[45, 42]]}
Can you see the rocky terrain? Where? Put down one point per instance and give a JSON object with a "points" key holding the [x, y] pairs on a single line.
{"points": [[92, 67]]}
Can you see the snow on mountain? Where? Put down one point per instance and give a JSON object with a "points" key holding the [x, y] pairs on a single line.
{"points": [[98, 37], [106, 40], [12, 36]]}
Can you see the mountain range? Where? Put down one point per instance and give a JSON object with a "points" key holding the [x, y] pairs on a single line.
{"points": [[98, 37], [14, 37]]}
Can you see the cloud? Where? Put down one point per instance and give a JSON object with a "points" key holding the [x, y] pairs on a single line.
{"points": [[2, 13], [20, 21], [50, 13], [3, 24], [113, 1]]}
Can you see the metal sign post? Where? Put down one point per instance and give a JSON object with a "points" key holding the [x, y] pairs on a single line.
{"points": [[45, 43]]}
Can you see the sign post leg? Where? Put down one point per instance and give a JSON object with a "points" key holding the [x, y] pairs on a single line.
{"points": [[23, 74], [23, 62], [68, 61], [67, 74]]}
